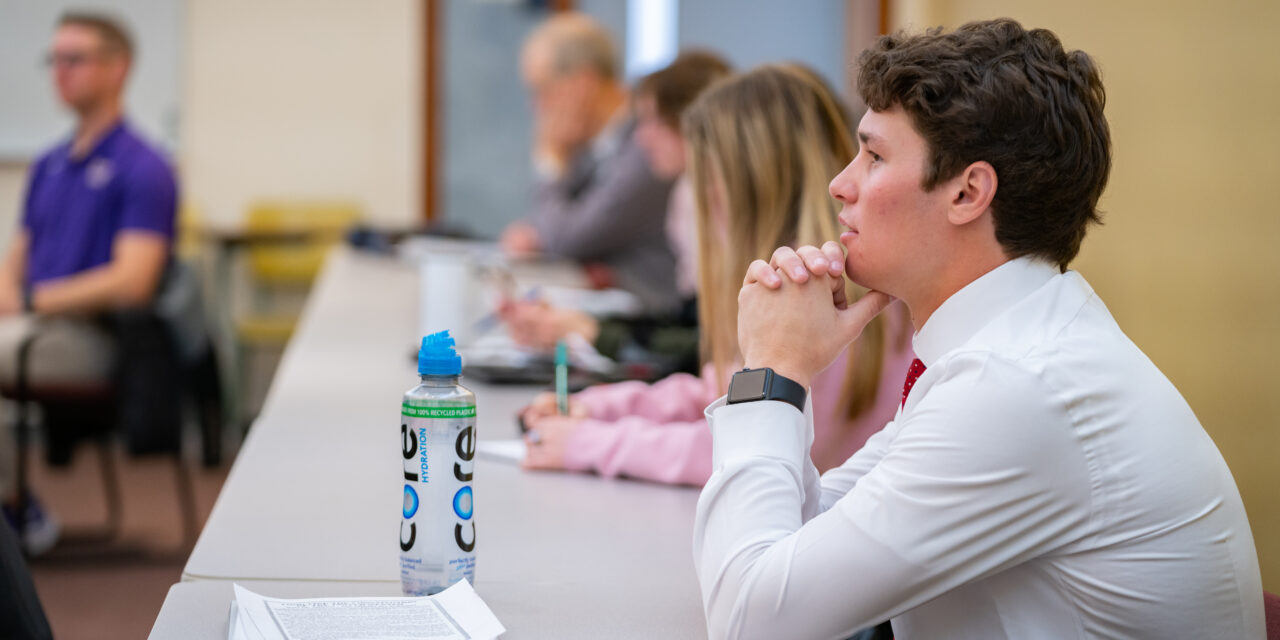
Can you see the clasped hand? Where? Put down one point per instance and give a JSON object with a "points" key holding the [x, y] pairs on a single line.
{"points": [[793, 314]]}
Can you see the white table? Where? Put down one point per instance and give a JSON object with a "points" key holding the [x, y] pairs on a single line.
{"points": [[315, 493]]}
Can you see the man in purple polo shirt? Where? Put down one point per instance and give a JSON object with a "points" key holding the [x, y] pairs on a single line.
{"points": [[96, 235]]}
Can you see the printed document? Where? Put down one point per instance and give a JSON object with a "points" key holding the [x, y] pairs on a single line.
{"points": [[456, 613]]}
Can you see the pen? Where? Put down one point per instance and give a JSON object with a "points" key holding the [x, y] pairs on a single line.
{"points": [[562, 378]]}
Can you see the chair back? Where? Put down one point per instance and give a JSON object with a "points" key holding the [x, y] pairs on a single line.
{"points": [[188, 244], [321, 223], [179, 302]]}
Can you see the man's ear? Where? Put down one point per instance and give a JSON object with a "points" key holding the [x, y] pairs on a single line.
{"points": [[120, 70], [972, 191]]}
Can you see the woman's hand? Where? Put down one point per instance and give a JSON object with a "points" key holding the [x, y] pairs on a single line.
{"points": [[539, 325], [544, 405], [545, 442]]}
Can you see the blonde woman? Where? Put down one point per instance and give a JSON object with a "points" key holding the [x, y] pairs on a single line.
{"points": [[761, 148]]}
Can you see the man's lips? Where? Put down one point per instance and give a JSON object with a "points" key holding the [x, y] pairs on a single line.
{"points": [[847, 236]]}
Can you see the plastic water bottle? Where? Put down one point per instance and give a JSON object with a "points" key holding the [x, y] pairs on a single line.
{"points": [[437, 447]]}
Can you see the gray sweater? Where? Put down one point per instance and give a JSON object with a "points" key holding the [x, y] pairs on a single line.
{"points": [[610, 208]]}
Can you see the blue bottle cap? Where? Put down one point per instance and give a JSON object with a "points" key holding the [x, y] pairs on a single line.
{"points": [[437, 357]]}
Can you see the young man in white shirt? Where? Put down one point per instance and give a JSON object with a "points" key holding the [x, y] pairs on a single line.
{"points": [[1042, 479]]}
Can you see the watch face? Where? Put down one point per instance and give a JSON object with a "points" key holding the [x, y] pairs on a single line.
{"points": [[747, 386]]}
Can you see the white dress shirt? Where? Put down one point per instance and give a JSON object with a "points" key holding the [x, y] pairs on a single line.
{"points": [[1044, 480]]}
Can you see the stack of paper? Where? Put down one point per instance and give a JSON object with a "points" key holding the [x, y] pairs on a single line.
{"points": [[456, 613]]}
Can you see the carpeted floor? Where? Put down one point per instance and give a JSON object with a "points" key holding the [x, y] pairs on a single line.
{"points": [[102, 591]]}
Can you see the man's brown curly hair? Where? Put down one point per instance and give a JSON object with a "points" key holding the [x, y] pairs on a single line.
{"points": [[1015, 98]]}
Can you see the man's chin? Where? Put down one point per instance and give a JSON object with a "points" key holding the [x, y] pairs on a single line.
{"points": [[858, 275], [870, 281], [78, 104]]}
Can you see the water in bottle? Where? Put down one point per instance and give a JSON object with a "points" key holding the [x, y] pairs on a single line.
{"points": [[437, 447]]}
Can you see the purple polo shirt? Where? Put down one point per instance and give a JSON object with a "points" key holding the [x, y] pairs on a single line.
{"points": [[75, 207]]}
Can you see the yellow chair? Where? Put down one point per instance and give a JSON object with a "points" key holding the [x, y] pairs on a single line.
{"points": [[189, 245], [285, 245]]}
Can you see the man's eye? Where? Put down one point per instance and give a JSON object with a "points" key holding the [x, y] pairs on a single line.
{"points": [[875, 157]]}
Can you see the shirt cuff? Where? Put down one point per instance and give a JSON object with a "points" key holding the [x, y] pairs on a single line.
{"points": [[767, 428]]}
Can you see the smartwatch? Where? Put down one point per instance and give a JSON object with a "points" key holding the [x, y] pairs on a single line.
{"points": [[751, 385]]}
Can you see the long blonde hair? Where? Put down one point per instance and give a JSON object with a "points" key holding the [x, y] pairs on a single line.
{"points": [[764, 145]]}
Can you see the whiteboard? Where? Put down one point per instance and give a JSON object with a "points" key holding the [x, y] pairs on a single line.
{"points": [[31, 118]]}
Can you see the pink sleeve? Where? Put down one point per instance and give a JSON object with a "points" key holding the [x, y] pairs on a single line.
{"points": [[677, 398], [637, 447]]}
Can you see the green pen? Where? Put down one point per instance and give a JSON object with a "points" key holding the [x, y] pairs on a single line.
{"points": [[562, 378]]}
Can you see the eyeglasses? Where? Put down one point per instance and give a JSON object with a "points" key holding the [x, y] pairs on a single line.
{"points": [[71, 59]]}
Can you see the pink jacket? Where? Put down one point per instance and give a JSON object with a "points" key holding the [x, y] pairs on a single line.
{"points": [[657, 432]]}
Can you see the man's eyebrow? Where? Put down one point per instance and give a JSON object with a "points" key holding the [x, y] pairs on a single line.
{"points": [[867, 137]]}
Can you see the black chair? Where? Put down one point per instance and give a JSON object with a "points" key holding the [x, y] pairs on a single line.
{"points": [[164, 357], [179, 305]]}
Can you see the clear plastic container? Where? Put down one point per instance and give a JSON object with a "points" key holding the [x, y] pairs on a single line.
{"points": [[437, 447]]}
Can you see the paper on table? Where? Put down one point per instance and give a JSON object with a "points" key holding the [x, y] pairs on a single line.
{"points": [[512, 450], [596, 302], [457, 613]]}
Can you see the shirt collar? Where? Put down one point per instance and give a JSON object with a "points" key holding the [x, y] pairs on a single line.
{"points": [[99, 146], [972, 307], [614, 133]]}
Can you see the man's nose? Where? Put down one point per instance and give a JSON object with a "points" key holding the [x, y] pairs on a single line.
{"points": [[843, 188]]}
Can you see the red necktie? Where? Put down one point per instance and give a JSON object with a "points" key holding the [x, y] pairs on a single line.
{"points": [[913, 374]]}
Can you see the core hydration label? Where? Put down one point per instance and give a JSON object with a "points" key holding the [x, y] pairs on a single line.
{"points": [[437, 531]]}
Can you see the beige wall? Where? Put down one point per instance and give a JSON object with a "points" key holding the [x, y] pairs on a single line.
{"points": [[1187, 260], [294, 98]]}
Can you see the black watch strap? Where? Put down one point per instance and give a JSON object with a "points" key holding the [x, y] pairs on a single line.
{"points": [[751, 385]]}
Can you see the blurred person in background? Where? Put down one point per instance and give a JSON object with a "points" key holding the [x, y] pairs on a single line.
{"points": [[761, 148], [597, 201], [660, 99], [96, 235]]}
